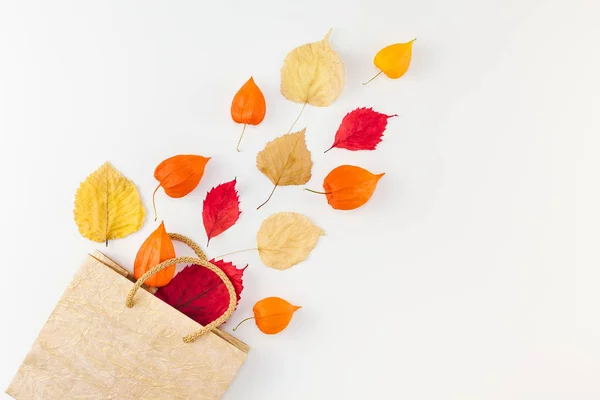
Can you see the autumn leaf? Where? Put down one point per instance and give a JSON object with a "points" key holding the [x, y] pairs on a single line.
{"points": [[285, 161], [248, 106], [348, 187], [393, 60], [361, 129], [107, 206], [221, 209], [312, 73], [157, 248], [272, 315], [199, 293], [285, 239], [179, 175]]}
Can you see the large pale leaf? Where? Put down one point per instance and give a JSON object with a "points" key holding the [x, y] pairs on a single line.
{"points": [[285, 239], [108, 206], [313, 74], [286, 160]]}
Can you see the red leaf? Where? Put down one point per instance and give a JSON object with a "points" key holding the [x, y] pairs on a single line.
{"points": [[199, 293], [221, 209], [361, 129]]}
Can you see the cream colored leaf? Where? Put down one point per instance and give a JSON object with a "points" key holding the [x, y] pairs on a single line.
{"points": [[285, 239], [313, 74], [108, 206], [286, 160]]}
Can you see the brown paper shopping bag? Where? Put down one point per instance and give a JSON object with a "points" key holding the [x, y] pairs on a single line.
{"points": [[105, 341]]}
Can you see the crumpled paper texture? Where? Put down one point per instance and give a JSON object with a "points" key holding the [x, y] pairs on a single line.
{"points": [[94, 347]]}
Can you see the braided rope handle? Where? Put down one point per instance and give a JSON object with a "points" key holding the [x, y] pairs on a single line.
{"points": [[200, 260]]}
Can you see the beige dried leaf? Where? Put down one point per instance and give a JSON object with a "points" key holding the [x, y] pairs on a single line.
{"points": [[286, 161], [108, 206], [313, 74], [285, 239]]}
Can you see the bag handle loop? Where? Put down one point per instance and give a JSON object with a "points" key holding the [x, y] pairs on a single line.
{"points": [[202, 261]]}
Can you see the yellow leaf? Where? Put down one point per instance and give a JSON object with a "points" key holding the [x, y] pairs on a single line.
{"points": [[394, 59], [285, 239], [313, 74], [108, 206], [285, 161]]}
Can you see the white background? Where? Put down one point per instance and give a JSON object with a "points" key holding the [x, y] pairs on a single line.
{"points": [[473, 272]]}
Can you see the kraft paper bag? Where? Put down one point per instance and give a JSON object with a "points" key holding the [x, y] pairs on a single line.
{"points": [[94, 347]]}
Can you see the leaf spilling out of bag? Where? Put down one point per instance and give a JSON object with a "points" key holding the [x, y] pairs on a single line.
{"points": [[348, 187], [179, 175], [272, 315], [221, 209], [285, 161], [248, 106], [108, 206], [361, 129], [393, 60], [285, 239], [199, 293], [158, 247], [313, 74]]}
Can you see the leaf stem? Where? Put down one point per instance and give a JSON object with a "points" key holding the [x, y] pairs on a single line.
{"points": [[328, 149], [297, 118], [244, 320], [314, 191], [154, 202], [235, 252], [379, 73], [241, 136], [269, 198]]}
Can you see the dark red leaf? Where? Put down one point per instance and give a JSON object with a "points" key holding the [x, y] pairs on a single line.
{"points": [[361, 129], [221, 209], [199, 293]]}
